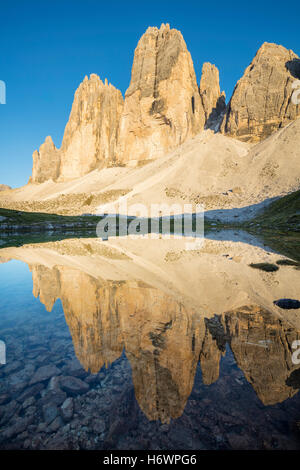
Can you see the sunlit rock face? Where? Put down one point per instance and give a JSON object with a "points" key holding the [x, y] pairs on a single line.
{"points": [[162, 104], [262, 99], [162, 109], [46, 162], [90, 135]]}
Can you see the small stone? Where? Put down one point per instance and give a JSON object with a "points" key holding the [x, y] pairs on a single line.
{"points": [[98, 426], [27, 444], [30, 391], [13, 367], [75, 369], [73, 386], [44, 373], [4, 398], [19, 380], [31, 410], [42, 427], [51, 396], [10, 410], [92, 379], [28, 402], [17, 428], [56, 424], [67, 409], [50, 412], [54, 383]]}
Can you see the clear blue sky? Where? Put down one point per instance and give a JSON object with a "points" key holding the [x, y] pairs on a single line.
{"points": [[47, 47]]}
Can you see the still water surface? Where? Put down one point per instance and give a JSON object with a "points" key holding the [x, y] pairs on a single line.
{"points": [[141, 344]]}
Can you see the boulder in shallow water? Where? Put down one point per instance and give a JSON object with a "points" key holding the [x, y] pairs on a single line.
{"points": [[287, 304]]}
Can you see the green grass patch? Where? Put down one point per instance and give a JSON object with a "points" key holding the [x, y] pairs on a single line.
{"points": [[282, 213]]}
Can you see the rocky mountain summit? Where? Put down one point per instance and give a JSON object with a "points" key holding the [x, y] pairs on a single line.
{"points": [[172, 139], [261, 102], [213, 100], [162, 109], [162, 104], [90, 135]]}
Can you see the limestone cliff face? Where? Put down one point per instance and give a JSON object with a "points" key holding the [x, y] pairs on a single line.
{"points": [[164, 107], [162, 104], [213, 100], [261, 102], [90, 136], [46, 162]]}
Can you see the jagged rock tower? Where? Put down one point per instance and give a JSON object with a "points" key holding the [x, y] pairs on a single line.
{"points": [[213, 100], [162, 104], [90, 136], [261, 102], [163, 107]]}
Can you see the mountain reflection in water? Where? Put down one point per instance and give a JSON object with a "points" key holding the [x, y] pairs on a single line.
{"points": [[172, 311]]}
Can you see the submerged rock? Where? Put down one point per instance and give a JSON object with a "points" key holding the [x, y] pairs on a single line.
{"points": [[73, 386], [50, 412], [44, 373], [287, 304], [67, 409], [268, 267], [294, 379]]}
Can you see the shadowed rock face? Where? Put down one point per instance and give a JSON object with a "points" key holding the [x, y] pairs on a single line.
{"points": [[212, 99], [162, 104], [90, 136], [164, 340], [212, 348], [261, 102]]}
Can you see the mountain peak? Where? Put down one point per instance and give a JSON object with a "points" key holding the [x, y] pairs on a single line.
{"points": [[261, 102]]}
